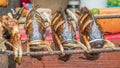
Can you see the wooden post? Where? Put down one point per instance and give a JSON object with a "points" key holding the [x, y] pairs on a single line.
{"points": [[11, 62], [7, 61]]}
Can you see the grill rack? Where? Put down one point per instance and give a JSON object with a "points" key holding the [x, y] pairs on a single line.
{"points": [[100, 50]]}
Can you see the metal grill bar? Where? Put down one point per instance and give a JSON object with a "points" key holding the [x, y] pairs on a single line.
{"points": [[43, 53], [107, 16]]}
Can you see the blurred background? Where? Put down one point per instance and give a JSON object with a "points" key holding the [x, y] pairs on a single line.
{"points": [[97, 7], [73, 4]]}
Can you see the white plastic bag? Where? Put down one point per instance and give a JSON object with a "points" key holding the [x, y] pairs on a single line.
{"points": [[93, 3]]}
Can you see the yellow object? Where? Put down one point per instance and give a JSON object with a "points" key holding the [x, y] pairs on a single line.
{"points": [[3, 3], [23, 13]]}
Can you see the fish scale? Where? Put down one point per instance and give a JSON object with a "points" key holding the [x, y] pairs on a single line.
{"points": [[95, 31], [36, 34], [67, 34]]}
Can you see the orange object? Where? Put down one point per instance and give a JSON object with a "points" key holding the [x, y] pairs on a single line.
{"points": [[3, 3], [110, 25], [24, 11], [109, 10]]}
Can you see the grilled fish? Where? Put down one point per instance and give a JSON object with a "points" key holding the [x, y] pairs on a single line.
{"points": [[35, 30], [63, 33], [90, 32]]}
